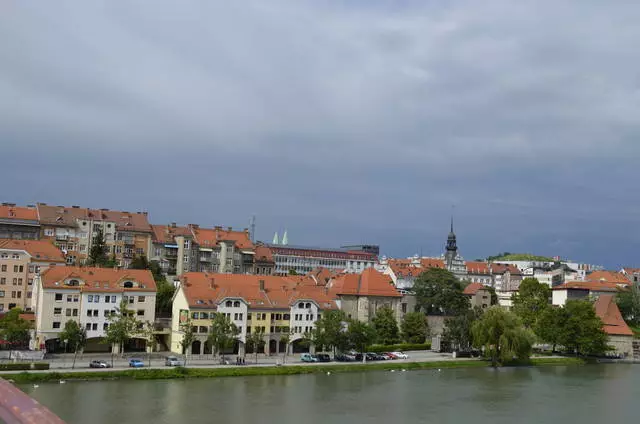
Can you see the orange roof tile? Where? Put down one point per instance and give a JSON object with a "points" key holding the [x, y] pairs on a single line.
{"points": [[40, 250], [207, 237], [503, 268], [431, 263], [98, 279], [589, 285], [478, 267], [612, 320], [369, 283], [204, 290], [166, 233], [263, 254], [473, 288], [18, 212], [608, 277]]}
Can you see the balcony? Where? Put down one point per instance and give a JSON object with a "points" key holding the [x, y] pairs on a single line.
{"points": [[62, 237]]}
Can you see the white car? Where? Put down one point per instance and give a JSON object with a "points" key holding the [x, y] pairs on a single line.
{"points": [[174, 361], [400, 355]]}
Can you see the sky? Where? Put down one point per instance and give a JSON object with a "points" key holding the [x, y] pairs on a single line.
{"points": [[341, 121]]}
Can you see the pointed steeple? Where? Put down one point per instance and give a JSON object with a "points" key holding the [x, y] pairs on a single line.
{"points": [[275, 239], [285, 238]]}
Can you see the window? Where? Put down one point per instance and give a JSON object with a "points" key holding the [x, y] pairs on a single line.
{"points": [[228, 304], [301, 305], [21, 268], [4, 268], [404, 308], [56, 324], [67, 312], [58, 297], [113, 299], [89, 312], [194, 315], [131, 299], [30, 282], [75, 312], [3, 281], [105, 326], [307, 305], [140, 312], [95, 312], [90, 298], [1, 293], [107, 299], [96, 298], [248, 329], [88, 326], [140, 298], [286, 317], [106, 313], [204, 315], [29, 295], [94, 326], [240, 316], [76, 298], [235, 316], [15, 268], [15, 281], [19, 281], [236, 304], [48, 232], [249, 315], [139, 250]]}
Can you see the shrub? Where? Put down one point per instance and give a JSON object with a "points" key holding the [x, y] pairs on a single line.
{"points": [[23, 366]]}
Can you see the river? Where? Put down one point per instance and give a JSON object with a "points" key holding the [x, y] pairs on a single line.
{"points": [[602, 394]]}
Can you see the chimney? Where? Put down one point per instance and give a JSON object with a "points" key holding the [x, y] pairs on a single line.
{"points": [[261, 285], [212, 284], [173, 225], [217, 228]]}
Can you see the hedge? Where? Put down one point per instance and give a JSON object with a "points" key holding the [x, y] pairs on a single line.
{"points": [[22, 366], [399, 347]]}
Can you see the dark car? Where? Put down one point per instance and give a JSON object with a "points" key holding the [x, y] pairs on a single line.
{"points": [[323, 357], [343, 357]]}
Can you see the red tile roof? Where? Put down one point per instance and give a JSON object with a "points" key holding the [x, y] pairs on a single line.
{"points": [[166, 233], [431, 263], [62, 215], [369, 283], [206, 237], [611, 317], [590, 285], [40, 250], [98, 279], [473, 288], [478, 268], [18, 212], [204, 290], [608, 277], [263, 254], [503, 268]]}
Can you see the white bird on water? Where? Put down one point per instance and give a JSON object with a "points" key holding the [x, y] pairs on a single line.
{"points": [[328, 372], [439, 370], [35, 386], [62, 381], [393, 370], [403, 370]]}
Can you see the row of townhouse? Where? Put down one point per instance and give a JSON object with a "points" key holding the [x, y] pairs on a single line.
{"points": [[275, 305]]}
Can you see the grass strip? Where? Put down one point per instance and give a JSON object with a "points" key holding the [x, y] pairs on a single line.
{"points": [[182, 373]]}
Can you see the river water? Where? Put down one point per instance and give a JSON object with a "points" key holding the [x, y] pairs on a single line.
{"points": [[602, 394]]}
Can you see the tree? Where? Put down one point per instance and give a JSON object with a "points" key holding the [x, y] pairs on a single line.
{"points": [[494, 295], [75, 336], [14, 329], [360, 335], [122, 327], [98, 251], [164, 298], [149, 333], [415, 327], [293, 272], [550, 326], [582, 331], [502, 336], [139, 262], [386, 326], [286, 339], [329, 331], [439, 292], [188, 337], [629, 304], [256, 340], [532, 298], [223, 333], [457, 331]]}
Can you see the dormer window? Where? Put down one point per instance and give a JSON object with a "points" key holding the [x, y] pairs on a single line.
{"points": [[128, 284], [236, 304], [228, 304], [301, 305], [73, 283]]}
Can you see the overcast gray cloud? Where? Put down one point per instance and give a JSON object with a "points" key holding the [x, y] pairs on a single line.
{"points": [[343, 121]]}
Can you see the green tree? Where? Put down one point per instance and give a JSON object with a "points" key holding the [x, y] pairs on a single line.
{"points": [[439, 292], [223, 333], [286, 339], [139, 262], [98, 251], [149, 333], [293, 272], [188, 337], [629, 304], [415, 327], [582, 331], [360, 335], [73, 336], [502, 336], [15, 329], [550, 326], [164, 298], [531, 299], [329, 331], [386, 326], [457, 330], [122, 327], [494, 295], [255, 340]]}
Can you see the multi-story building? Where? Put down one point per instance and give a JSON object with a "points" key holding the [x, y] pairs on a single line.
{"points": [[478, 294], [193, 249], [20, 261], [90, 296], [303, 259], [18, 222], [73, 230], [272, 305], [506, 278]]}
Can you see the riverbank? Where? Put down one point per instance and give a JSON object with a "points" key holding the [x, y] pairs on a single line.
{"points": [[182, 373]]}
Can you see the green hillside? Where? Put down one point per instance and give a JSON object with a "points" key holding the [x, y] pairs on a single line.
{"points": [[506, 256]]}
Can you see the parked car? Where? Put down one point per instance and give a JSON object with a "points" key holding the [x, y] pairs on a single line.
{"points": [[307, 357], [400, 355], [99, 364], [388, 356], [174, 361], [323, 357], [372, 356], [344, 357], [136, 363]]}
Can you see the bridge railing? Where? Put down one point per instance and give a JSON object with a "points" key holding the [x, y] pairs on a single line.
{"points": [[16, 407]]}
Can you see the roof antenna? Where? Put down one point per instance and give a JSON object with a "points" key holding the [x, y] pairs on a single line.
{"points": [[252, 224]]}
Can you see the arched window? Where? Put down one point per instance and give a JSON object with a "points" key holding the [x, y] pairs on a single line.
{"points": [[73, 283], [301, 305], [228, 304], [128, 285], [236, 304], [308, 306]]}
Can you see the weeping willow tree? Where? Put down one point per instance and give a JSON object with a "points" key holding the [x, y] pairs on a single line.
{"points": [[502, 336]]}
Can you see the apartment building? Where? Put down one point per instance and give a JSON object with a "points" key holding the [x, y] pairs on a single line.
{"points": [[303, 259], [272, 305], [17, 222], [72, 229], [89, 296], [181, 249], [20, 262]]}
